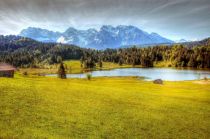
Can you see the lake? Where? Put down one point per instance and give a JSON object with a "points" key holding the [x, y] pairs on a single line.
{"points": [[169, 74]]}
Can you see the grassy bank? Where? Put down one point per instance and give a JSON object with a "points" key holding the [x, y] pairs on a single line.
{"points": [[72, 66], [164, 64], [41, 107]]}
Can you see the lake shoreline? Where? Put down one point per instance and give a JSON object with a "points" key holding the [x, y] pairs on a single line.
{"points": [[73, 67], [167, 74]]}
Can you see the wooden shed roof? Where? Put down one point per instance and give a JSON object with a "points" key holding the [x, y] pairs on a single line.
{"points": [[6, 67]]}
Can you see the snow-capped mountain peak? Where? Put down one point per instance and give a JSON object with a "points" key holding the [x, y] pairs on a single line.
{"points": [[107, 36]]}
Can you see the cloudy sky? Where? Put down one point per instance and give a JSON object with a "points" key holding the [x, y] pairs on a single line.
{"points": [[174, 19]]}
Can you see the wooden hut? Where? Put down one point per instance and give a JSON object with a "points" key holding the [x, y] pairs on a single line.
{"points": [[7, 70]]}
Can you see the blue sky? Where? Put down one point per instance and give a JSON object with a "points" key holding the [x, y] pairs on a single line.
{"points": [[174, 19]]}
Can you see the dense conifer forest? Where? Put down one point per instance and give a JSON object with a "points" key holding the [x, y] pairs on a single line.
{"points": [[24, 52]]}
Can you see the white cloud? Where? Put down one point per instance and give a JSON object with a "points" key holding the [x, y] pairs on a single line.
{"points": [[170, 18]]}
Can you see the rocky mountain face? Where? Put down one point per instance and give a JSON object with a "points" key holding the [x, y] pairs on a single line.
{"points": [[105, 37], [39, 34]]}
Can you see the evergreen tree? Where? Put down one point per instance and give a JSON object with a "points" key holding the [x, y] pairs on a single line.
{"points": [[191, 62], [62, 71], [100, 64]]}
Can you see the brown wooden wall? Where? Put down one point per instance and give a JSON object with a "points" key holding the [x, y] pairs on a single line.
{"points": [[9, 74]]}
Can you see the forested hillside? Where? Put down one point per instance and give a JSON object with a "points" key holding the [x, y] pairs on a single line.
{"points": [[178, 55], [24, 52]]}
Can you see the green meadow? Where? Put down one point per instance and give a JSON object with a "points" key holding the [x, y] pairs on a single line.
{"points": [[72, 66], [44, 107]]}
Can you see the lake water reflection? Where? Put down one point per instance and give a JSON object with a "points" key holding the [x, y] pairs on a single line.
{"points": [[170, 74]]}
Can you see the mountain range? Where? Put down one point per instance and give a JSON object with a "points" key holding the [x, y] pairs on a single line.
{"points": [[106, 37]]}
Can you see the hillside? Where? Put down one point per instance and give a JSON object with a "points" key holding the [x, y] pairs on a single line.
{"points": [[106, 37], [24, 52], [204, 42]]}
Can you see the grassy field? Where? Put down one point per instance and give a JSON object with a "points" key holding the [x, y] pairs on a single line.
{"points": [[42, 107], [72, 66]]}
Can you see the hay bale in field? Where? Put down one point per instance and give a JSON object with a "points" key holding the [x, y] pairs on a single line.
{"points": [[158, 81]]}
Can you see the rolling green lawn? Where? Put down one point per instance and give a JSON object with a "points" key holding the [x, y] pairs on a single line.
{"points": [[42, 107]]}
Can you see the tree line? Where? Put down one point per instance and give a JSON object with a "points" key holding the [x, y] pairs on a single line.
{"points": [[178, 55], [24, 52]]}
